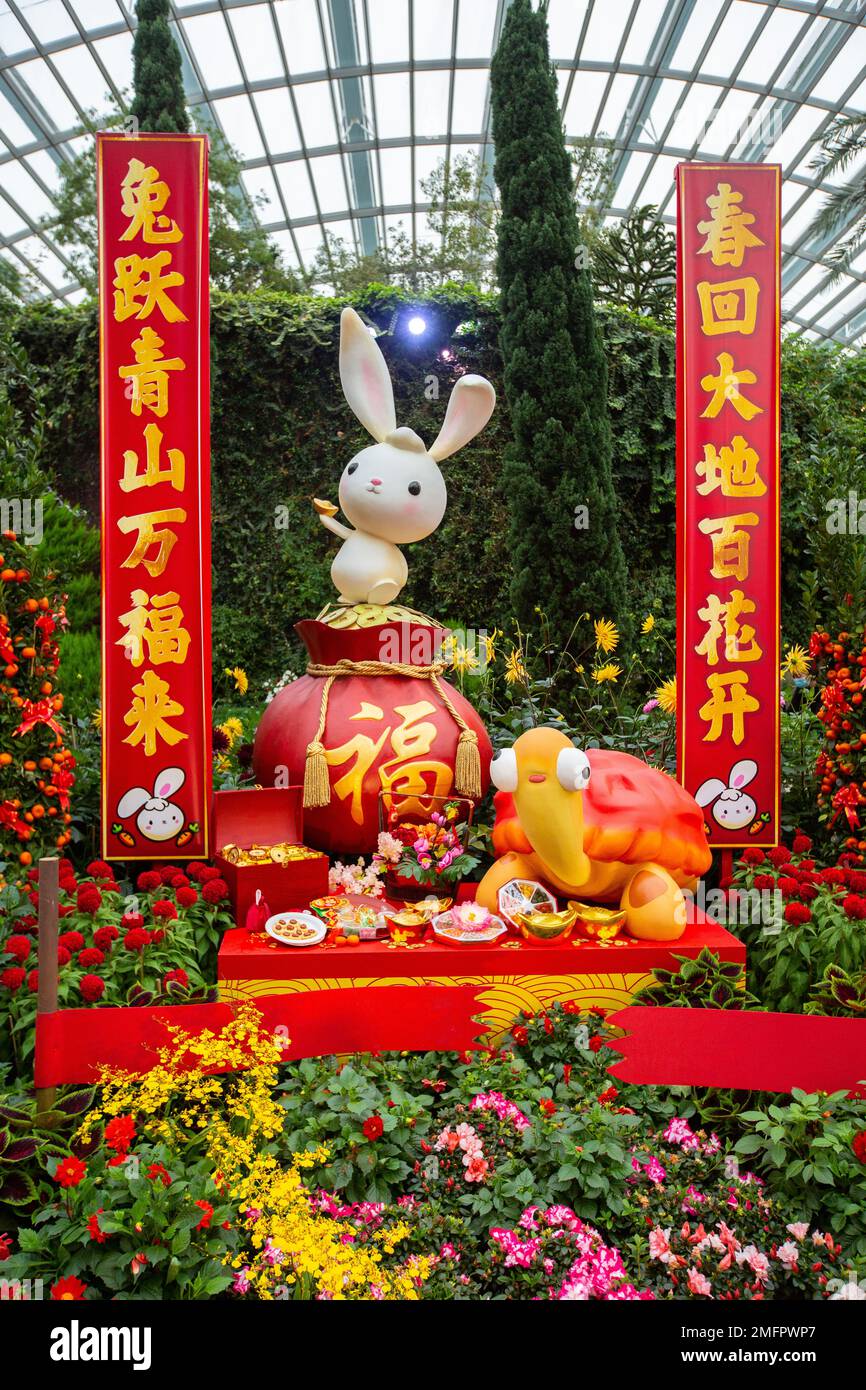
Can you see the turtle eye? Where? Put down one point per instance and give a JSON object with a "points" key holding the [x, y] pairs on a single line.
{"points": [[572, 769], [503, 770]]}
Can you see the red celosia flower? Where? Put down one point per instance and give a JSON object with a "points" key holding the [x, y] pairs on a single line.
{"points": [[149, 880], [33, 981], [187, 897], [157, 1173], [208, 1213], [808, 892], [372, 1128], [131, 920], [215, 890], [178, 977], [19, 947], [104, 936], [69, 1171], [100, 869], [161, 907], [179, 881], [63, 956], [764, 881], [72, 940], [752, 856], [91, 987], [13, 977], [120, 1132], [856, 880], [93, 1227], [801, 844], [788, 886], [779, 856], [136, 940], [156, 937], [90, 958], [194, 866], [858, 1144], [797, 914], [854, 907], [207, 874], [167, 872], [836, 876], [68, 1288], [89, 898], [547, 1106]]}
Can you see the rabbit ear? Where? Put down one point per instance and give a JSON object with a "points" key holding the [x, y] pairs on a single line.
{"points": [[743, 773], [132, 801], [169, 781], [709, 790], [364, 376], [469, 409]]}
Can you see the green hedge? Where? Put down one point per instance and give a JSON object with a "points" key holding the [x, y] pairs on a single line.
{"points": [[282, 434]]}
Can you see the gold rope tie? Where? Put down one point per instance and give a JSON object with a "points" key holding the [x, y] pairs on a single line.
{"points": [[467, 763]]}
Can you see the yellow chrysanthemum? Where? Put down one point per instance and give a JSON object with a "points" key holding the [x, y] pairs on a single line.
{"points": [[797, 662], [579, 668], [233, 730], [606, 635], [514, 668], [463, 659], [240, 678], [611, 672], [667, 696], [648, 624], [488, 642], [96, 717]]}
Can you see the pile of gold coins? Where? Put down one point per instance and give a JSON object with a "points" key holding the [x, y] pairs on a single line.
{"points": [[267, 854]]}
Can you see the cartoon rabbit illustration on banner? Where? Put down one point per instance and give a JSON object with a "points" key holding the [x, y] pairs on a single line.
{"points": [[392, 492]]}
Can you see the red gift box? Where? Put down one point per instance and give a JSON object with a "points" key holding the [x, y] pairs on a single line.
{"points": [[266, 816]]}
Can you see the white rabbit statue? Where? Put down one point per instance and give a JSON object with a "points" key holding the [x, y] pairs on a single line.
{"points": [[392, 492]]}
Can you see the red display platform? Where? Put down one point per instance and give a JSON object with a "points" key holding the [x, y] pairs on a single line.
{"points": [[377, 984]]}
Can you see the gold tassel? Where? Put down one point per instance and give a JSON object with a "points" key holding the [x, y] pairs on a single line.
{"points": [[317, 783], [467, 765]]}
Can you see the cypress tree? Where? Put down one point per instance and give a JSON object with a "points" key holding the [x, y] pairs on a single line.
{"points": [[160, 103], [565, 560]]}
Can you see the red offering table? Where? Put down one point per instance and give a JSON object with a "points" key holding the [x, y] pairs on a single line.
{"points": [[378, 997]]}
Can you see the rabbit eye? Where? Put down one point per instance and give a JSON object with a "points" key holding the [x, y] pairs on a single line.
{"points": [[414, 488], [352, 468]]}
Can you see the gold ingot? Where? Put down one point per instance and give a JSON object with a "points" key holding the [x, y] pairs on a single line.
{"points": [[598, 923], [431, 907], [547, 926]]}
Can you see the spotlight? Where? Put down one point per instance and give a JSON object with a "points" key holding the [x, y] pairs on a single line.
{"points": [[416, 325]]}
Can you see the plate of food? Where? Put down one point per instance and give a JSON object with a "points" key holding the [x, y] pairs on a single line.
{"points": [[296, 928], [467, 924]]}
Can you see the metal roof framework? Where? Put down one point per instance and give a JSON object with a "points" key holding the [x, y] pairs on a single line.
{"points": [[340, 108]]}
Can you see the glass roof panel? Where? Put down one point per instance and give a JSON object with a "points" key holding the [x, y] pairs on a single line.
{"points": [[777, 35], [49, 19], [302, 38], [208, 39], [475, 29], [374, 125], [432, 27], [253, 31], [733, 36]]}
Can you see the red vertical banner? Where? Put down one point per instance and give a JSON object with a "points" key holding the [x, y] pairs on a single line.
{"points": [[155, 464], [728, 306]]}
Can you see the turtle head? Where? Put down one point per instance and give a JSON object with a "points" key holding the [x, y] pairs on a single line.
{"points": [[547, 776]]}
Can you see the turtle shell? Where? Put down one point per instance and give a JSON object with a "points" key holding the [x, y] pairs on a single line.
{"points": [[632, 814]]}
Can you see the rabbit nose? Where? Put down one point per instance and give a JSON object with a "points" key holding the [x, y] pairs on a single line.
{"points": [[377, 482]]}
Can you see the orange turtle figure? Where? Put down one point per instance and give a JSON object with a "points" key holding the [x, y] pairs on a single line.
{"points": [[596, 825]]}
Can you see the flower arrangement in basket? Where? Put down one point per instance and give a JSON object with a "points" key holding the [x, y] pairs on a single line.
{"points": [[430, 853]]}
